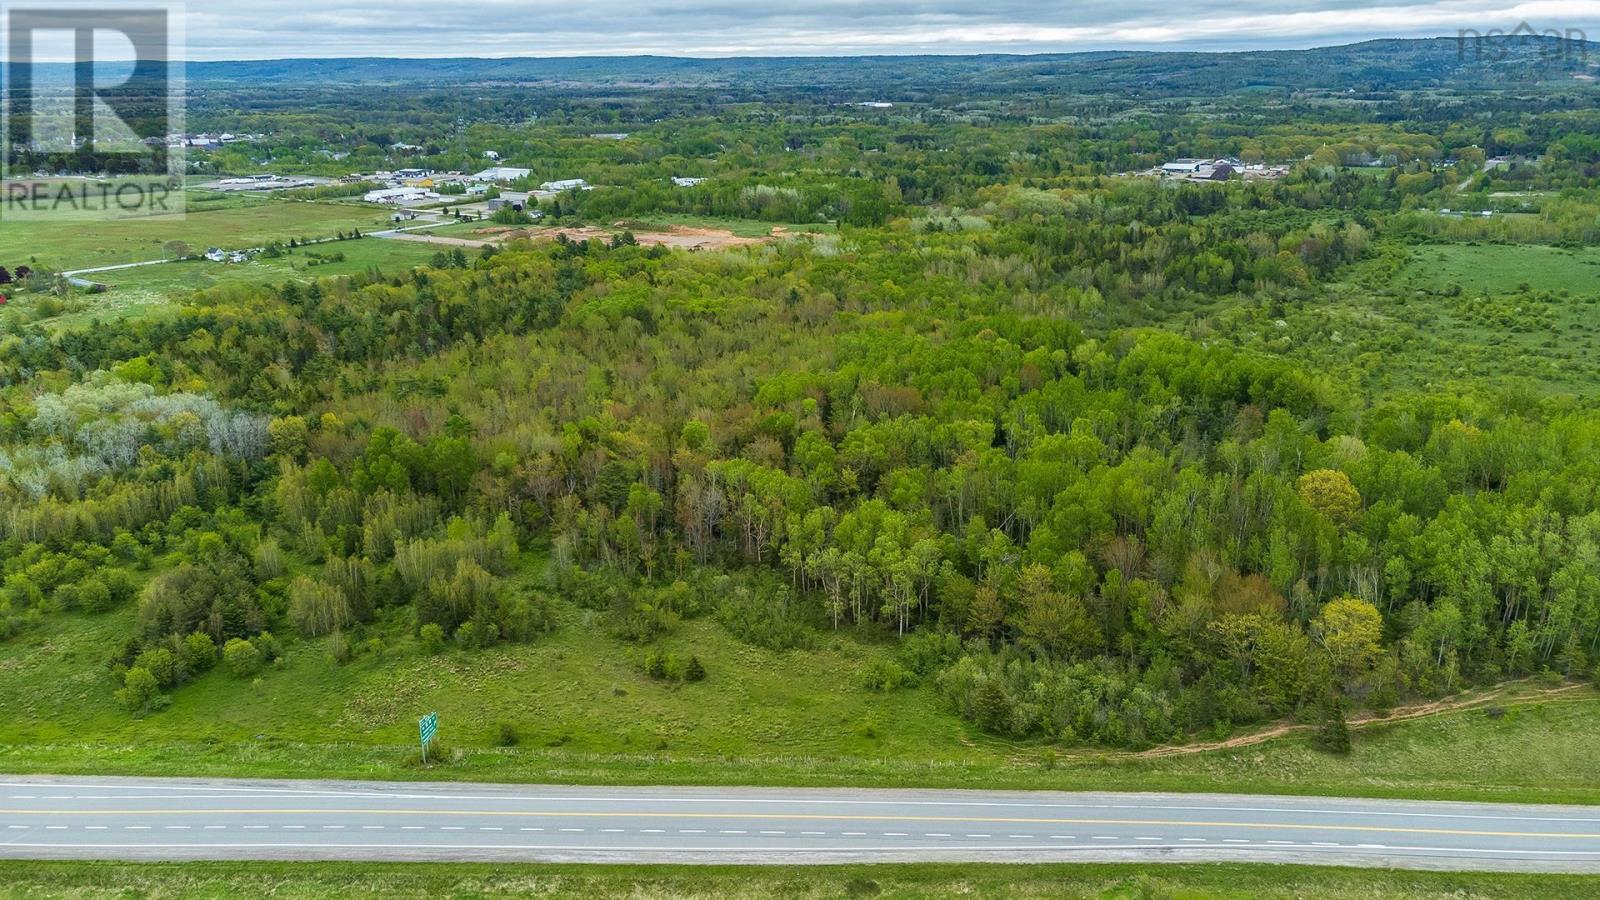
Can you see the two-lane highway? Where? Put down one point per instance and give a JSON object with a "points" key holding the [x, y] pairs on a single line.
{"points": [[128, 818]]}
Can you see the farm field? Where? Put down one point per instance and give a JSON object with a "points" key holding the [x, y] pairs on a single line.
{"points": [[211, 220], [145, 290]]}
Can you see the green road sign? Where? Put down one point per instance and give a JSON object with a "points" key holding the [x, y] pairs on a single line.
{"points": [[426, 727]]}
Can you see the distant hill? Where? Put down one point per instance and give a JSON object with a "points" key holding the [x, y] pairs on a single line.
{"points": [[1380, 65]]}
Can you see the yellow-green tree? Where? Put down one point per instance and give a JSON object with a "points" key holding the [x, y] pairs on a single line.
{"points": [[1330, 492], [1351, 630]]}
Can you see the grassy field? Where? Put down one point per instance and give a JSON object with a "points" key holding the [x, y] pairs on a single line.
{"points": [[584, 713], [212, 220], [150, 288], [1454, 315], [1104, 882], [1503, 268]]}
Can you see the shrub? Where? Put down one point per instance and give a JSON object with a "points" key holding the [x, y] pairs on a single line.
{"points": [[139, 689], [693, 670], [928, 652], [432, 637], [881, 674], [199, 652], [241, 657], [271, 650], [639, 622], [507, 736], [664, 666], [1332, 734], [94, 595], [763, 622], [160, 663]]}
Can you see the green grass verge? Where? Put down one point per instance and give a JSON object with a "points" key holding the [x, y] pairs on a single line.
{"points": [[1111, 882], [584, 713]]}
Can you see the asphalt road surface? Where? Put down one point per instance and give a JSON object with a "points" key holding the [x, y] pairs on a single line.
{"points": [[136, 818]]}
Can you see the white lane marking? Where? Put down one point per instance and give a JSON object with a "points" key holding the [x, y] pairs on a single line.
{"points": [[333, 827], [177, 827], [574, 830], [980, 835], [1021, 836], [903, 834], [490, 828], [1372, 846], [1193, 840], [96, 827], [886, 848], [1290, 843], [256, 827], [699, 831], [55, 828], [136, 827], [611, 831], [372, 828], [929, 834], [1323, 844], [294, 827], [1234, 841], [530, 829], [391, 795], [1146, 839], [456, 828], [854, 833], [732, 831], [19, 827], [653, 831], [215, 827], [1106, 837], [1063, 837], [807, 833]]}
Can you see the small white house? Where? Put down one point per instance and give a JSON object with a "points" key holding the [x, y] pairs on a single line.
{"points": [[685, 181], [491, 155]]}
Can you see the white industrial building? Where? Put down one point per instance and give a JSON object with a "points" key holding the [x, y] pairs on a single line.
{"points": [[502, 173], [565, 185], [399, 195]]}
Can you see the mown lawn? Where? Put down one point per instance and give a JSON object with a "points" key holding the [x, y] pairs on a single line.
{"points": [[583, 712]]}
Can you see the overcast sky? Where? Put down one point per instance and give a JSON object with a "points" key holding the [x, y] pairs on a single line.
{"points": [[258, 29]]}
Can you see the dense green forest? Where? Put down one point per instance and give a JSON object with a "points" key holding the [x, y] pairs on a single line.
{"points": [[1106, 459]]}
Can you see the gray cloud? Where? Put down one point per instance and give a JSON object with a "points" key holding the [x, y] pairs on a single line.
{"points": [[257, 29]]}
